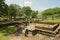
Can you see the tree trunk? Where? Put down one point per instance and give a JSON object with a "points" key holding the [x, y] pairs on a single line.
{"points": [[14, 18], [11, 18], [52, 17]]}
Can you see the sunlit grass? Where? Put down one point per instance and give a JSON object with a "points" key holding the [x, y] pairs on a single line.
{"points": [[55, 20], [4, 30], [2, 37]]}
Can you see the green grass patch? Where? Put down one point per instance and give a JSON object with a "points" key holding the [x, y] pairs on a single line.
{"points": [[50, 20], [4, 30], [7, 29], [2, 37]]}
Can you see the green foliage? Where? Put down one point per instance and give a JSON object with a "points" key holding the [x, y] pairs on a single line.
{"points": [[51, 12], [14, 10], [34, 14], [3, 8], [26, 10]]}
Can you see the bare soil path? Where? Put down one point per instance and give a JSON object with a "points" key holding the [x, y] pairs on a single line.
{"points": [[30, 37]]}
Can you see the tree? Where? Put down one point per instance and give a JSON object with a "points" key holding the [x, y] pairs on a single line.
{"points": [[26, 11], [52, 12], [3, 8], [34, 14], [21, 13], [13, 10], [5, 13]]}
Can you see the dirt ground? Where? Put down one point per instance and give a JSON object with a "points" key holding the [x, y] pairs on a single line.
{"points": [[36, 37], [30, 37]]}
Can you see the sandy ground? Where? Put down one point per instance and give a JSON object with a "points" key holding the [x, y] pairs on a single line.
{"points": [[30, 37]]}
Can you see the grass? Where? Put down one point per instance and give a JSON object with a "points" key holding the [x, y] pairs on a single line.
{"points": [[50, 20], [4, 30], [2, 37]]}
